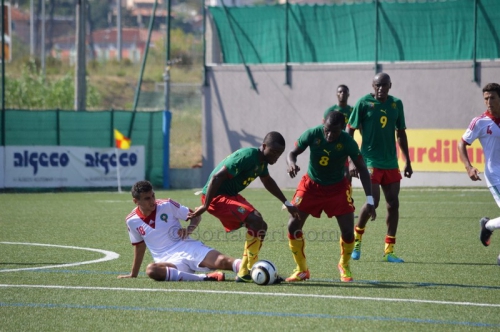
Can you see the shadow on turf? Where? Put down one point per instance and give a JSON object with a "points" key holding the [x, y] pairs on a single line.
{"points": [[337, 284], [309, 283], [426, 263], [379, 284], [451, 263]]}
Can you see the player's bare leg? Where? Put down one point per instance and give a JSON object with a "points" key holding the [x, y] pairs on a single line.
{"points": [[215, 260]]}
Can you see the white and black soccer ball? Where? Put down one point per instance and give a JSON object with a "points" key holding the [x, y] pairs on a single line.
{"points": [[264, 273], [498, 259]]}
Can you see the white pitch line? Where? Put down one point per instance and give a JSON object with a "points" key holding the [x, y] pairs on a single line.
{"points": [[109, 255], [219, 292]]}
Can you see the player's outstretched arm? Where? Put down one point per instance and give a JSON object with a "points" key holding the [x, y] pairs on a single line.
{"points": [[403, 145], [183, 233], [291, 161], [366, 182], [472, 171], [214, 185], [273, 188], [353, 171], [139, 251]]}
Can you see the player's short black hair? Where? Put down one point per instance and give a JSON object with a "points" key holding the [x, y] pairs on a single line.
{"points": [[274, 138], [490, 87], [343, 86], [335, 118], [141, 187]]}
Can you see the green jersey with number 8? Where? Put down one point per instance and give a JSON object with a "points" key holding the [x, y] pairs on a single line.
{"points": [[327, 159]]}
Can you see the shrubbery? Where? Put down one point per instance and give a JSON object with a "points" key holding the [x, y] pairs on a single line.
{"points": [[32, 90]]}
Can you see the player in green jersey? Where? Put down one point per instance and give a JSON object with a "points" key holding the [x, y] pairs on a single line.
{"points": [[324, 188], [342, 106], [221, 196], [380, 119]]}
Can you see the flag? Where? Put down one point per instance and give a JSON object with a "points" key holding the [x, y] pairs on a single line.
{"points": [[121, 141]]}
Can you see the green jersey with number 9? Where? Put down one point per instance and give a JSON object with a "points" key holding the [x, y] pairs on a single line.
{"points": [[378, 123]]}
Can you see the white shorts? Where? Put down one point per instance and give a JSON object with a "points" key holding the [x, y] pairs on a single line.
{"points": [[187, 256], [495, 191]]}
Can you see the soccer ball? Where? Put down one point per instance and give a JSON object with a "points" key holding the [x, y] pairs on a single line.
{"points": [[498, 259], [264, 273]]}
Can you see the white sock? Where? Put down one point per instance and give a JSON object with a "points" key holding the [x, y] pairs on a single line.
{"points": [[236, 265], [176, 275], [493, 224]]}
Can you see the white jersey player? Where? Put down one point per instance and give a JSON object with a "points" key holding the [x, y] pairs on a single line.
{"points": [[486, 128], [155, 224]]}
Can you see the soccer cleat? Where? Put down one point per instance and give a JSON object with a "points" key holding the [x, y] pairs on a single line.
{"points": [[345, 273], [391, 258], [485, 233], [245, 278], [215, 276], [278, 280], [356, 253], [299, 276]]}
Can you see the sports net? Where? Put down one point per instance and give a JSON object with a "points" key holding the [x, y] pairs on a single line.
{"points": [[365, 32]]}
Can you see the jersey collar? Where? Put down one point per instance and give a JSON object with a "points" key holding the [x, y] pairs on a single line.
{"points": [[492, 117], [150, 220]]}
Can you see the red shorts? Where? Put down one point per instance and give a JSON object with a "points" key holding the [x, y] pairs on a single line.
{"points": [[313, 198], [230, 210], [384, 176]]}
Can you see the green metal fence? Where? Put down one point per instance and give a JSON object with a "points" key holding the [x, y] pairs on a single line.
{"points": [[93, 129]]}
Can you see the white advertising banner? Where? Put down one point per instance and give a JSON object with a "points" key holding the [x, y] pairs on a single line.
{"points": [[2, 167], [67, 166]]}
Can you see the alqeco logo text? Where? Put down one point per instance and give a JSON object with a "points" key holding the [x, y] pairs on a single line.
{"points": [[42, 159], [106, 160]]}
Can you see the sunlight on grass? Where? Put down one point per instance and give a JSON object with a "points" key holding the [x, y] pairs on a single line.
{"points": [[449, 280]]}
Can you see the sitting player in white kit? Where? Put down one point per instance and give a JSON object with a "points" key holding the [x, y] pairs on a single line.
{"points": [[154, 224]]}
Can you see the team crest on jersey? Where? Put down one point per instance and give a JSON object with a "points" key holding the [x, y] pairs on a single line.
{"points": [[394, 105], [318, 141], [164, 217], [297, 200], [241, 209], [339, 147], [372, 105]]}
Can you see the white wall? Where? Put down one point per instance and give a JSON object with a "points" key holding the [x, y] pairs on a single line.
{"points": [[435, 96]]}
